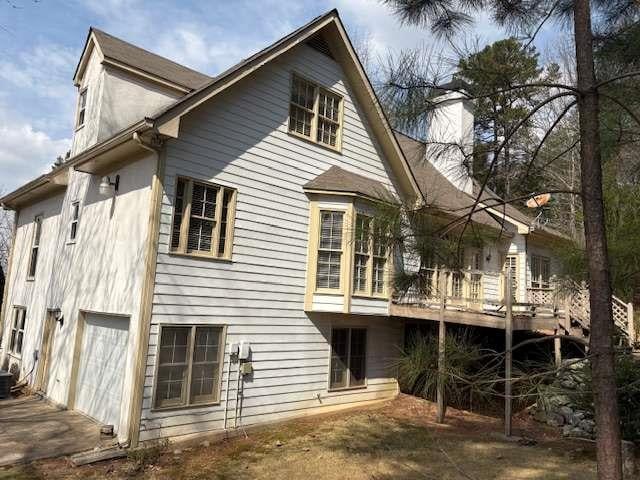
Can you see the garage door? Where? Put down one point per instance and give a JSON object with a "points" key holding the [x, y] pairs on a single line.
{"points": [[102, 367]]}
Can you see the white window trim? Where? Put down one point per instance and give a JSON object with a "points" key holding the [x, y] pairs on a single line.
{"points": [[38, 219], [222, 347], [313, 137], [72, 221], [79, 108], [16, 309]]}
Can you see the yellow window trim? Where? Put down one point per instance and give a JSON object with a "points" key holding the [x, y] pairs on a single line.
{"points": [[181, 249], [347, 259], [315, 111]]}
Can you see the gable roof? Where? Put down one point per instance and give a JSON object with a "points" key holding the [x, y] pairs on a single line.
{"points": [[137, 58], [338, 179], [331, 28], [329, 25]]}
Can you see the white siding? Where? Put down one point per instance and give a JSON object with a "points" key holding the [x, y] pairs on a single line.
{"points": [[240, 139]]}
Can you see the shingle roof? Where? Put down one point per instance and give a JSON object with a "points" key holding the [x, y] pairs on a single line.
{"points": [[439, 192], [509, 209], [337, 179], [148, 62]]}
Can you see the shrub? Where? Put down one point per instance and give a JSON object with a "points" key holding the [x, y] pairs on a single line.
{"points": [[418, 367]]}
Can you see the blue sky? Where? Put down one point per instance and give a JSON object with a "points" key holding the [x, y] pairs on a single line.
{"points": [[41, 41]]}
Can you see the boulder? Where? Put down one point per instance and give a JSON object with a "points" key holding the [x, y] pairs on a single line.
{"points": [[555, 419]]}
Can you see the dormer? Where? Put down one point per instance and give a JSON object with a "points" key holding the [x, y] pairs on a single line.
{"points": [[119, 84]]}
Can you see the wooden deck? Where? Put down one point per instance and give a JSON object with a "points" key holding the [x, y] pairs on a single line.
{"points": [[474, 317]]}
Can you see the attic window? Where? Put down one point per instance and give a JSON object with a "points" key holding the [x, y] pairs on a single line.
{"points": [[319, 43], [82, 107], [315, 113]]}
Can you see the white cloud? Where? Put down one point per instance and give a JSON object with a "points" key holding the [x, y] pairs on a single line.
{"points": [[25, 153]]}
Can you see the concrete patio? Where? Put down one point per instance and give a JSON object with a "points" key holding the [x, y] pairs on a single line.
{"points": [[31, 428]]}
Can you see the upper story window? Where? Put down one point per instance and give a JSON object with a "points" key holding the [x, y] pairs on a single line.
{"points": [[17, 330], [203, 219], [369, 257], [315, 113], [82, 107], [35, 246], [540, 272], [73, 223], [330, 250]]}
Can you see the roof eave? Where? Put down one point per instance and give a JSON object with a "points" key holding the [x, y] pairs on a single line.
{"points": [[57, 179]]}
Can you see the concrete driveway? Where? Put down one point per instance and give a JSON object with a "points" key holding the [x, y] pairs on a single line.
{"points": [[31, 428]]}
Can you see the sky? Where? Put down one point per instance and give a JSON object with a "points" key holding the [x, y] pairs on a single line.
{"points": [[41, 42]]}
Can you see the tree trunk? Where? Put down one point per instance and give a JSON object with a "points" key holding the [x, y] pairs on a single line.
{"points": [[602, 328]]}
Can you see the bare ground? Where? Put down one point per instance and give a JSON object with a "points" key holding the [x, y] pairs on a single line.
{"points": [[393, 440]]}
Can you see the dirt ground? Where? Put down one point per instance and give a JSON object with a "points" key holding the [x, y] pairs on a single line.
{"points": [[392, 440]]}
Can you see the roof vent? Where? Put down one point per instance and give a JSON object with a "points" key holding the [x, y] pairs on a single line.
{"points": [[317, 42]]}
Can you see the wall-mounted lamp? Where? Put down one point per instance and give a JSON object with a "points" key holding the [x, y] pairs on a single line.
{"points": [[57, 316], [107, 187]]}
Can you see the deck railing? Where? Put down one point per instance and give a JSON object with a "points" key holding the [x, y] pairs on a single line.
{"points": [[482, 292]]}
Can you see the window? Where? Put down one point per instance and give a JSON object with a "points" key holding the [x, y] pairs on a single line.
{"points": [[203, 219], [315, 112], [476, 276], [379, 261], [511, 270], [82, 107], [361, 254], [348, 358], [540, 272], [17, 330], [35, 246], [369, 257], [73, 224], [330, 250], [189, 365]]}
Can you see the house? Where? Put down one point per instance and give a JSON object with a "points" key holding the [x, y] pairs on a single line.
{"points": [[191, 267]]}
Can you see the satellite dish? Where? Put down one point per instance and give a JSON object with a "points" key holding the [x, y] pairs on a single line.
{"points": [[538, 200]]}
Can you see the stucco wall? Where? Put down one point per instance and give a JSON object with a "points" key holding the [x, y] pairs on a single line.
{"points": [[101, 272]]}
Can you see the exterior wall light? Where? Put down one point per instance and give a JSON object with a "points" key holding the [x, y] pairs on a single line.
{"points": [[107, 187]]}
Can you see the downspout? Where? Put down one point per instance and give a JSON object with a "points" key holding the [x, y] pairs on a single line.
{"points": [[144, 316]]}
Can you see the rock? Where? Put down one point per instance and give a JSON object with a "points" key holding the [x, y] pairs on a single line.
{"points": [[568, 383], [588, 426], [577, 417], [566, 412], [569, 431], [206, 444], [278, 443], [629, 466], [177, 452], [559, 400], [555, 419]]}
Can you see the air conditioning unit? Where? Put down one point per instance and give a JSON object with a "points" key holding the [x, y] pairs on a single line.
{"points": [[6, 379]]}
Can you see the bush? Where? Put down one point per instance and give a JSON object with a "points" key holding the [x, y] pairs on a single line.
{"points": [[418, 368]]}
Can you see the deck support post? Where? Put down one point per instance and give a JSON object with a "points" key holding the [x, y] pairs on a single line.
{"points": [[557, 348], [442, 332], [508, 331], [630, 325]]}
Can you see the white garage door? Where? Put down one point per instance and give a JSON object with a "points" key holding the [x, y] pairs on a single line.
{"points": [[102, 368]]}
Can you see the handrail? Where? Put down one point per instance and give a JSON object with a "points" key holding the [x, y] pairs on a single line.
{"points": [[482, 291]]}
